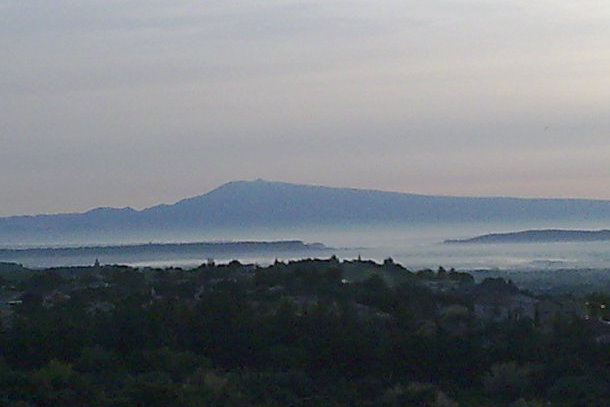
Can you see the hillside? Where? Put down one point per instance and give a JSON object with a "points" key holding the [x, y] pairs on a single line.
{"points": [[276, 204]]}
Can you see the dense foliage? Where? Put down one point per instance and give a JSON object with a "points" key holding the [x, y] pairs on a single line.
{"points": [[307, 333]]}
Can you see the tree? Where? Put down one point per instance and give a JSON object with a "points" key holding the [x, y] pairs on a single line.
{"points": [[508, 381]]}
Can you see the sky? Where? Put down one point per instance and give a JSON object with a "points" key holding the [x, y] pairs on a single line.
{"points": [[138, 102]]}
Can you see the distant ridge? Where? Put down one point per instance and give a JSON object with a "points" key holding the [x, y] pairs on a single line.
{"points": [[539, 236], [201, 248], [240, 204]]}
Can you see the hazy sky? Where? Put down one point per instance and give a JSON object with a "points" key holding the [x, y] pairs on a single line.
{"points": [[132, 103]]}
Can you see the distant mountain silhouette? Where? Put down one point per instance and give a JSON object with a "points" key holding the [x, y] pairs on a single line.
{"points": [[276, 204], [540, 236]]}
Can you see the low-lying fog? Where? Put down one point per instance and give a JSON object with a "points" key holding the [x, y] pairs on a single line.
{"points": [[414, 246]]}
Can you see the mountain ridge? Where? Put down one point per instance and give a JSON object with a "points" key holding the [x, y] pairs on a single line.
{"points": [[261, 181], [538, 236], [278, 204]]}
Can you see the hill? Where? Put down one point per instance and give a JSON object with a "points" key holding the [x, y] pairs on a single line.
{"points": [[276, 204], [199, 248], [540, 236]]}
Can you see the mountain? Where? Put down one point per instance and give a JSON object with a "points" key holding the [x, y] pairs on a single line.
{"points": [[540, 236], [277, 204]]}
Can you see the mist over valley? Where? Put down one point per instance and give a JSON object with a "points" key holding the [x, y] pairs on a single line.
{"points": [[376, 224]]}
